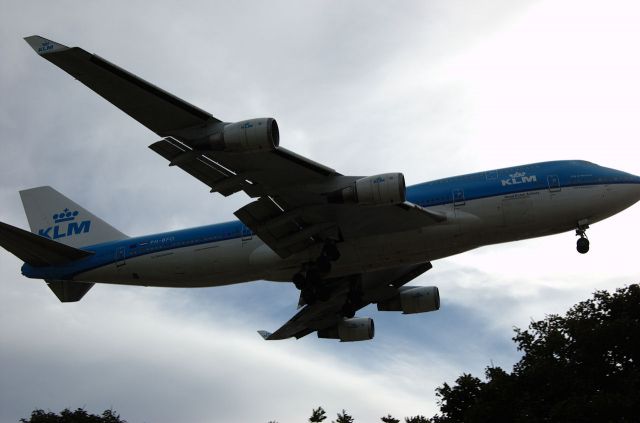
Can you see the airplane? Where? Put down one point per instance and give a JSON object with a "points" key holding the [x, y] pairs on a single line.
{"points": [[344, 241]]}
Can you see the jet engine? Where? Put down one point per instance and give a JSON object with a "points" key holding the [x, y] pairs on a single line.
{"points": [[376, 190], [413, 299], [247, 135], [349, 330]]}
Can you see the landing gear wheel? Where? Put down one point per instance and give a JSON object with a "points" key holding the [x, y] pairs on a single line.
{"points": [[583, 245]]}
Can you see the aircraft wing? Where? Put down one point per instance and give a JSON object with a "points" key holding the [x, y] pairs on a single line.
{"points": [[291, 211], [151, 106], [368, 287]]}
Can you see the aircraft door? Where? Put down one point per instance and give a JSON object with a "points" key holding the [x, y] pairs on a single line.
{"points": [[247, 235], [458, 197], [554, 183], [120, 257]]}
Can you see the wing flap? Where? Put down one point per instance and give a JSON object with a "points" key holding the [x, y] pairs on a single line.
{"points": [[309, 319], [202, 166], [285, 232]]}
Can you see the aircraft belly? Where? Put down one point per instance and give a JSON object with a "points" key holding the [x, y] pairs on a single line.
{"points": [[211, 264]]}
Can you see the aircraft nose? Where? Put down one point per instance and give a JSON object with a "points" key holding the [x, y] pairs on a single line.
{"points": [[636, 188]]}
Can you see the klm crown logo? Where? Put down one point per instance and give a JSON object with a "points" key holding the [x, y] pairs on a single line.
{"points": [[65, 225], [65, 216], [45, 46], [518, 178]]}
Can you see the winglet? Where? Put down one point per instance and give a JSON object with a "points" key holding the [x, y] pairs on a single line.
{"points": [[44, 46], [265, 335]]}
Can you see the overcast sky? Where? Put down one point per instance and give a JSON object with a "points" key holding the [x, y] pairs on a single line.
{"points": [[428, 88]]}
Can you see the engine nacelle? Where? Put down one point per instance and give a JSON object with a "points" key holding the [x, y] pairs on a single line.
{"points": [[377, 190], [350, 330], [413, 299], [247, 135]]}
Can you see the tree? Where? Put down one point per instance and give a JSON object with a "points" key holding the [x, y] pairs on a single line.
{"points": [[317, 415], [456, 400], [416, 419], [344, 418], [584, 366], [389, 419], [77, 416]]}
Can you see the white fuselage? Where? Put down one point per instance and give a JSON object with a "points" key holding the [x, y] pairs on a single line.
{"points": [[470, 224]]}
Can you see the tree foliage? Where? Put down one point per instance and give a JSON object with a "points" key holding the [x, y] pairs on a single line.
{"points": [[78, 416], [416, 419], [317, 415], [389, 419], [584, 366], [343, 418]]}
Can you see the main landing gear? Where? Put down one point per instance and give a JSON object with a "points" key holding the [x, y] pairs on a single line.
{"points": [[309, 279], [583, 242]]}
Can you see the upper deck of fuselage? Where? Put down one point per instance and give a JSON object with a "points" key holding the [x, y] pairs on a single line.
{"points": [[535, 176]]}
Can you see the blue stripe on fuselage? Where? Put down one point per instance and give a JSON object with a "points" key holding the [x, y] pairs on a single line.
{"points": [[531, 177], [139, 246]]}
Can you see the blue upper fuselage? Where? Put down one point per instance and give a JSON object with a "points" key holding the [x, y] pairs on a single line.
{"points": [[531, 177]]}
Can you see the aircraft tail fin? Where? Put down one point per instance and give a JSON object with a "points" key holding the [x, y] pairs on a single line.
{"points": [[54, 216]]}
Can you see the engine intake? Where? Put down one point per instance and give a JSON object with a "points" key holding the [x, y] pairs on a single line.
{"points": [[350, 330], [376, 190], [413, 299], [247, 135]]}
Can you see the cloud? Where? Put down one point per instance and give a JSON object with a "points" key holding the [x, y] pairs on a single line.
{"points": [[429, 89], [157, 356]]}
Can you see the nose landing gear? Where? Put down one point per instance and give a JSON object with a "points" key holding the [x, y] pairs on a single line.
{"points": [[583, 242]]}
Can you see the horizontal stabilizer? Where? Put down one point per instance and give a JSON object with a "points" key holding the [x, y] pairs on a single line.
{"points": [[36, 250], [68, 291]]}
